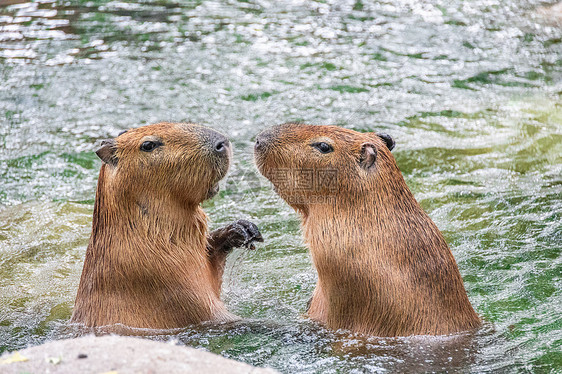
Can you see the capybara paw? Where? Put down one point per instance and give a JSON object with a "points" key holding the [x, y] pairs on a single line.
{"points": [[243, 233]]}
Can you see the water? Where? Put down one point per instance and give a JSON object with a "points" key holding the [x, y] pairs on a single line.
{"points": [[469, 90]]}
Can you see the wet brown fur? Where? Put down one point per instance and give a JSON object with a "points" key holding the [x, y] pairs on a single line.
{"points": [[383, 267], [147, 264]]}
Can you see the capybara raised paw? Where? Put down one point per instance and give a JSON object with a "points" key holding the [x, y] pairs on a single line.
{"points": [[240, 233]]}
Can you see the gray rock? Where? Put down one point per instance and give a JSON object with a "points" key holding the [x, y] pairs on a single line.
{"points": [[119, 354]]}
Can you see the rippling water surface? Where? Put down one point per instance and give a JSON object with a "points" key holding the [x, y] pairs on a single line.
{"points": [[470, 90]]}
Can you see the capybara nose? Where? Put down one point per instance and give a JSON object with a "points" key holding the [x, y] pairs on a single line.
{"points": [[263, 139], [215, 142], [221, 146]]}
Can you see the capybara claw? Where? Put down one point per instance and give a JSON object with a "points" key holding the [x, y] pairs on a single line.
{"points": [[238, 234], [245, 233]]}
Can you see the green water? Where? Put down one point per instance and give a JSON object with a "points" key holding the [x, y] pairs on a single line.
{"points": [[470, 90]]}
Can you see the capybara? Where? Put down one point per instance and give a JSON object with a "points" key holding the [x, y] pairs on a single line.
{"points": [[383, 267], [151, 262]]}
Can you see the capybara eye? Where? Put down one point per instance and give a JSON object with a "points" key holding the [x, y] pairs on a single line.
{"points": [[323, 147], [148, 146]]}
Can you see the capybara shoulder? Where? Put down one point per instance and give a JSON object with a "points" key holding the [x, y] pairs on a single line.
{"points": [[383, 266]]}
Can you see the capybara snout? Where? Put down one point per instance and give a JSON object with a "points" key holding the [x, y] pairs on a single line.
{"points": [[215, 142], [265, 138]]}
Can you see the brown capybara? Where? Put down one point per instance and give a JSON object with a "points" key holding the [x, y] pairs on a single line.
{"points": [[383, 267], [150, 262]]}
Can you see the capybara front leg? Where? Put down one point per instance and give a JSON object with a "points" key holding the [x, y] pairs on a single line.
{"points": [[221, 242]]}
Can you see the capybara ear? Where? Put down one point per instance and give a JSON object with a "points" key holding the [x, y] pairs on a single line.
{"points": [[107, 152], [368, 155], [388, 140]]}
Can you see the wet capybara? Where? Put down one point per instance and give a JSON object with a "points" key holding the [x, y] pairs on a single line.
{"points": [[151, 262], [383, 267]]}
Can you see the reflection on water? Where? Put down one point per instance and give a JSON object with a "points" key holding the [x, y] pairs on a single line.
{"points": [[469, 90]]}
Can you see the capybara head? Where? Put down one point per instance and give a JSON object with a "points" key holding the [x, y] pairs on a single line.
{"points": [[312, 164], [179, 161]]}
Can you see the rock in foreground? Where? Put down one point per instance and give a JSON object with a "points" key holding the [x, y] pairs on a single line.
{"points": [[119, 355]]}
